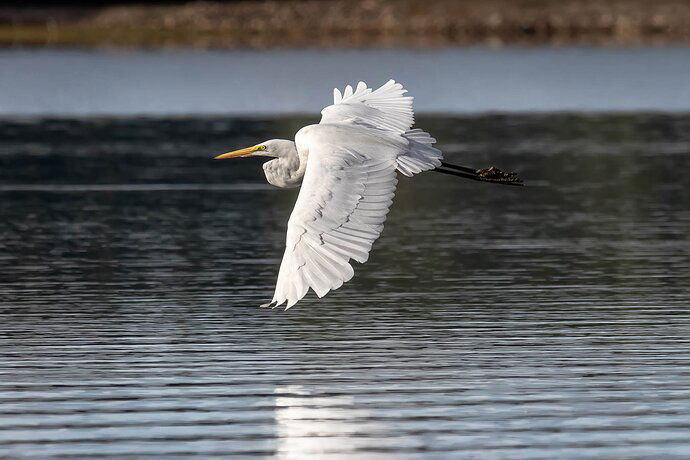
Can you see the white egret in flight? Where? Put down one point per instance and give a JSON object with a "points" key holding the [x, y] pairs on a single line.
{"points": [[346, 166]]}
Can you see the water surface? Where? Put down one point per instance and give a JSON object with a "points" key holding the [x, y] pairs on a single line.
{"points": [[301, 81], [490, 322]]}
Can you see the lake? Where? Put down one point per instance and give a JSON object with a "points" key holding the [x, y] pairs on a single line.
{"points": [[490, 322], [461, 80]]}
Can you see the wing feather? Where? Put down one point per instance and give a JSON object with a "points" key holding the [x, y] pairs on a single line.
{"points": [[336, 218], [386, 108]]}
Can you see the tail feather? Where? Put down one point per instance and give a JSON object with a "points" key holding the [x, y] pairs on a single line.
{"points": [[421, 155]]}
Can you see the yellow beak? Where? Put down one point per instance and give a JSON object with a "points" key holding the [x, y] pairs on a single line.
{"points": [[238, 153]]}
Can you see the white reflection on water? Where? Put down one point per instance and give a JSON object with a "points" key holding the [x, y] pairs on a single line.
{"points": [[310, 426], [301, 81]]}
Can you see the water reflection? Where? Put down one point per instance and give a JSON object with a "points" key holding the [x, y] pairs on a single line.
{"points": [[310, 426]]}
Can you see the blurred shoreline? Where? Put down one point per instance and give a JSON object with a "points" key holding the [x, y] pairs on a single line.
{"points": [[350, 23]]}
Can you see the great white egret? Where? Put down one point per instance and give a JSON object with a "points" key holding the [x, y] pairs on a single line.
{"points": [[346, 166]]}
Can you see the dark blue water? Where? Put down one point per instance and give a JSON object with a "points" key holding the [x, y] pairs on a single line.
{"points": [[490, 322]]}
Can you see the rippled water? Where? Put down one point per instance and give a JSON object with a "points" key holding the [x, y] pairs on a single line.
{"points": [[491, 322]]}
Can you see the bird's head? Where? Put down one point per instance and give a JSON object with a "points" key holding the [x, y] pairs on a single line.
{"points": [[274, 148]]}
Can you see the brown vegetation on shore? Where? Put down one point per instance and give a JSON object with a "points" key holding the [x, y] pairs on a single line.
{"points": [[351, 23]]}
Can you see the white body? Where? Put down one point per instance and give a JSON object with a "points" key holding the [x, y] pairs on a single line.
{"points": [[346, 166]]}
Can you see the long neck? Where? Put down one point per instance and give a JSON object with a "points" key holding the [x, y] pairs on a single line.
{"points": [[287, 170]]}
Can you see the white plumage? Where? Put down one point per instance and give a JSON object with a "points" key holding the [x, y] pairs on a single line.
{"points": [[348, 185], [346, 192], [346, 166]]}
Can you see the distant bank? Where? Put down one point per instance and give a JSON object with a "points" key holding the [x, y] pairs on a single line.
{"points": [[350, 23]]}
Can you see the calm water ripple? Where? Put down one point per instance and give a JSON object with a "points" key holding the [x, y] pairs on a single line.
{"points": [[550, 321]]}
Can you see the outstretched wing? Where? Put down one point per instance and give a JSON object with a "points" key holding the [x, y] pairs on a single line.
{"points": [[386, 108], [340, 210], [389, 111]]}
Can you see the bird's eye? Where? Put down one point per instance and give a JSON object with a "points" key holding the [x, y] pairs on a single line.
{"points": [[263, 147]]}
